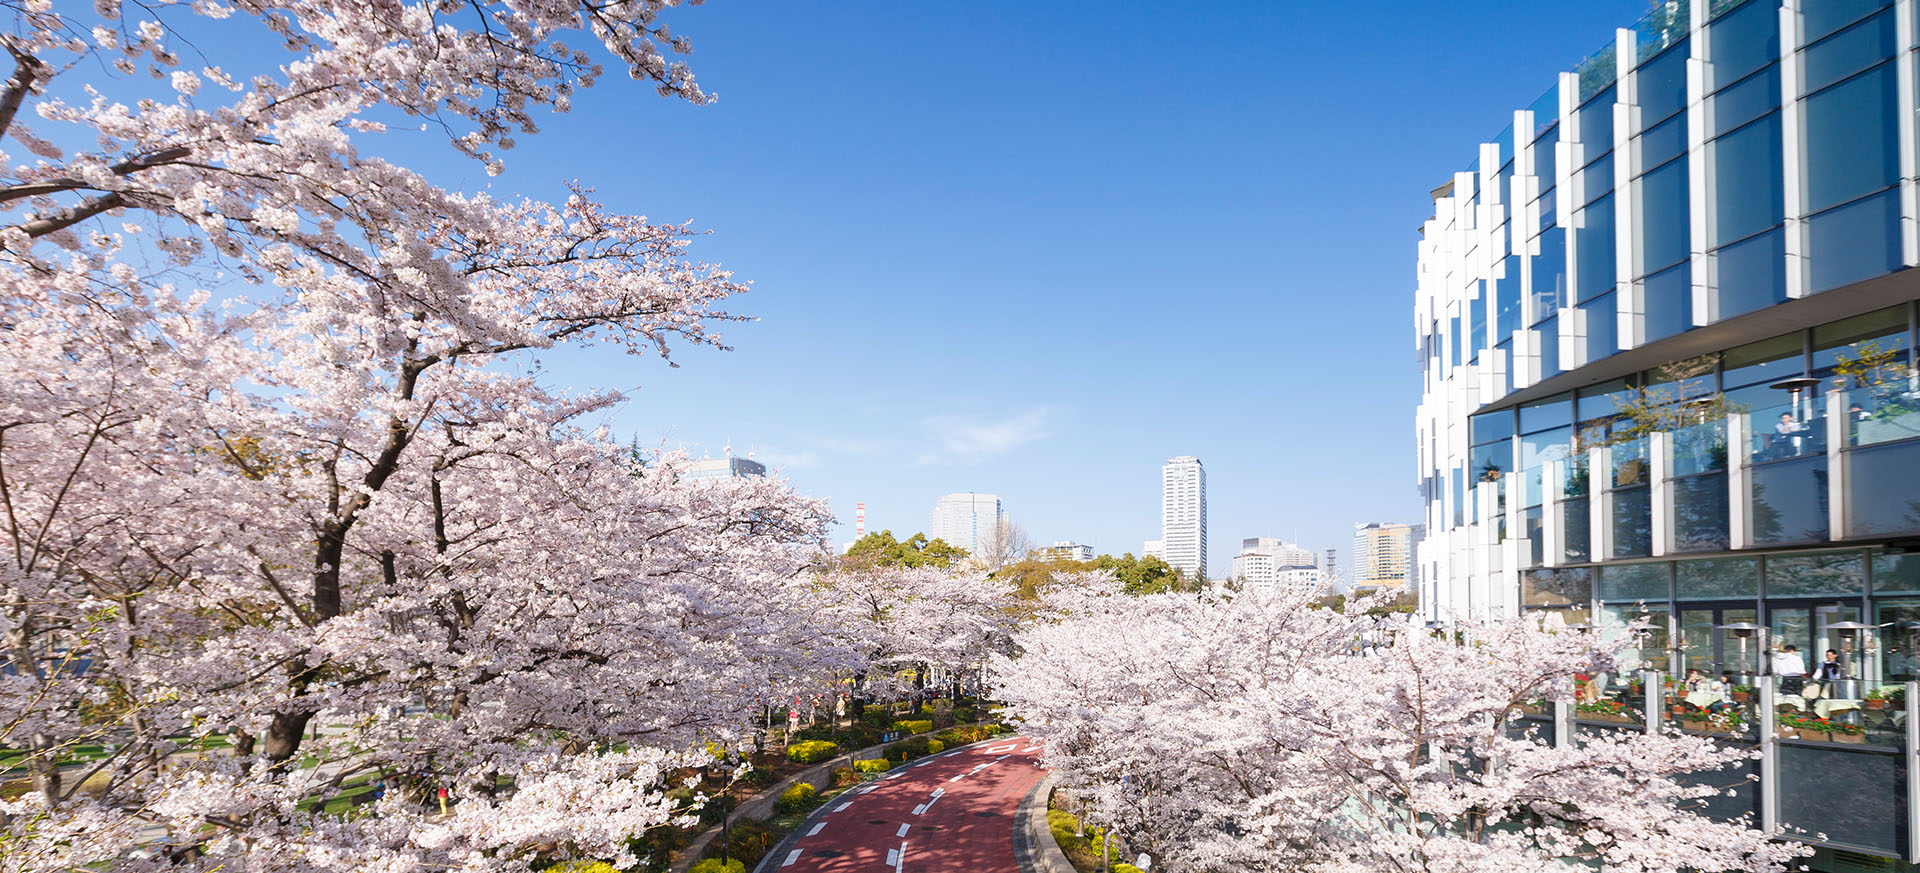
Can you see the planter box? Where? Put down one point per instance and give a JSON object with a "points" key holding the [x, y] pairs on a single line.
{"points": [[1817, 736], [1873, 703], [1696, 726], [1742, 696], [1899, 427], [1849, 738]]}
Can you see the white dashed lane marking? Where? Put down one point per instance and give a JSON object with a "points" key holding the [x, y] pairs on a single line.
{"points": [[791, 857], [903, 830], [816, 829]]}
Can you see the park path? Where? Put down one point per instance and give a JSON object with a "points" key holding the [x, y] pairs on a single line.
{"points": [[951, 813]]}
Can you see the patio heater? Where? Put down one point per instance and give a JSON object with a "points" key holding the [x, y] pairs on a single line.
{"points": [[1849, 644], [1744, 631], [1802, 387]]}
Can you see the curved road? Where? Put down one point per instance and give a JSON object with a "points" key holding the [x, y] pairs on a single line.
{"points": [[950, 813]]}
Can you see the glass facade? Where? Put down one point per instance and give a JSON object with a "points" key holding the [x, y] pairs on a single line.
{"points": [[1704, 431]]}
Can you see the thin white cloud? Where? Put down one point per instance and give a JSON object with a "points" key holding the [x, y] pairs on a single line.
{"points": [[967, 439], [779, 460]]}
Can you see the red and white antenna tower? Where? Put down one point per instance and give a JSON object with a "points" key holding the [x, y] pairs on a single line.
{"points": [[859, 521]]}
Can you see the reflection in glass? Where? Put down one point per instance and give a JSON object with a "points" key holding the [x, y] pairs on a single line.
{"points": [[1883, 488], [1742, 41], [1632, 582], [1595, 237], [1858, 241], [1747, 186], [1809, 575], [1851, 139], [1717, 578], [1848, 52], [1789, 503], [1749, 275], [1632, 522], [1549, 268]]}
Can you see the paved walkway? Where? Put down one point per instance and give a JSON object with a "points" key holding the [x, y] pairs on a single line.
{"points": [[951, 813]]}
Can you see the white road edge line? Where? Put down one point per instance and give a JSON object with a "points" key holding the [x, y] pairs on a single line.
{"points": [[901, 859]]}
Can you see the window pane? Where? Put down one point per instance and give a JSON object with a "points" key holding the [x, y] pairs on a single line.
{"points": [[1662, 84], [1883, 333], [1854, 797], [1750, 275], [1669, 302], [1735, 578], [1492, 460], [1595, 238], [1596, 123], [1852, 144], [1632, 523], [1821, 17], [1663, 143], [1857, 241], [1571, 587], [1743, 40], [1603, 327], [1477, 324], [1761, 362], [1506, 294], [1664, 219], [1849, 51], [1896, 574], [1596, 179], [1492, 426], [1746, 101], [1747, 181], [1549, 347], [1543, 158], [1549, 269], [1789, 502], [1700, 512], [1811, 575], [1631, 582], [1555, 411]]}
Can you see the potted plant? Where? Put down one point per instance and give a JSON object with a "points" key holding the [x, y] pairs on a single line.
{"points": [[1606, 710], [1848, 733], [1887, 697], [1742, 693]]}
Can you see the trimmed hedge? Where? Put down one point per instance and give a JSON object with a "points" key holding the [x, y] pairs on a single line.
{"points": [[873, 765], [935, 747], [735, 865], [913, 726], [907, 749], [812, 751], [844, 776], [1124, 867], [798, 797]]}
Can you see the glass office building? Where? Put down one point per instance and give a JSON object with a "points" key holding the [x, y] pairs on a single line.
{"points": [[1666, 329]]}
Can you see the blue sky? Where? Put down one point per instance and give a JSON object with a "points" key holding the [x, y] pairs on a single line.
{"points": [[1035, 249]]}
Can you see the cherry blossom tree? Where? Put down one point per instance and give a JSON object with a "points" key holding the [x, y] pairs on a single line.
{"points": [[1258, 732], [287, 508], [917, 619]]}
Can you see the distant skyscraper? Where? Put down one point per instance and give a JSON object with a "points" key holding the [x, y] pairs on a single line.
{"points": [[1381, 553], [964, 520], [712, 469], [1183, 514], [1068, 550], [1154, 549], [1265, 561]]}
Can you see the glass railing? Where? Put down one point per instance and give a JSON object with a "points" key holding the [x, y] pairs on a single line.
{"points": [[1546, 113], [1700, 448], [1882, 413], [1631, 465], [1787, 430], [1667, 24], [1721, 7], [1610, 699], [1595, 74], [1723, 707], [1531, 491], [1855, 711]]}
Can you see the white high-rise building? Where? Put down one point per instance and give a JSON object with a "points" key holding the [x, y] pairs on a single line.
{"points": [[1068, 550], [1154, 549], [1381, 553], [964, 520], [1183, 514]]}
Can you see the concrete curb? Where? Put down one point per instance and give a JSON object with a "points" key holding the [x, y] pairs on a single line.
{"points": [[1034, 847]]}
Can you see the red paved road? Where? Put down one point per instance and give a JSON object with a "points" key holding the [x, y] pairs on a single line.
{"points": [[967, 828]]}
